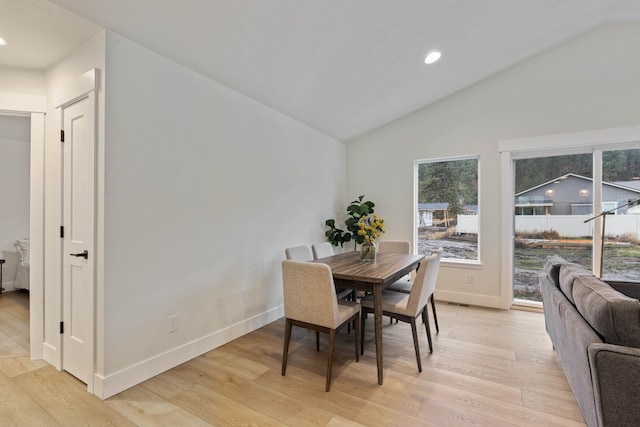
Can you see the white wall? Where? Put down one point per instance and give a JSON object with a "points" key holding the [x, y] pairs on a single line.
{"points": [[22, 81], [14, 191], [587, 83], [204, 190]]}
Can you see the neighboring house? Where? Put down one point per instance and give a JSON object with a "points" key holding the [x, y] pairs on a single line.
{"points": [[572, 194], [426, 210]]}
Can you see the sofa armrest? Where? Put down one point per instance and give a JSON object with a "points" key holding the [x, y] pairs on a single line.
{"points": [[615, 373]]}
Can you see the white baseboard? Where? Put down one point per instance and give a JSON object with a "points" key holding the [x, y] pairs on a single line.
{"points": [[51, 355], [469, 299], [109, 385]]}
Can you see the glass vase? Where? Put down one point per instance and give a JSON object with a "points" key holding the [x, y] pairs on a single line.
{"points": [[368, 252]]}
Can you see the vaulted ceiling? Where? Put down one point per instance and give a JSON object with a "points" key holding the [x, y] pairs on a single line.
{"points": [[343, 67]]}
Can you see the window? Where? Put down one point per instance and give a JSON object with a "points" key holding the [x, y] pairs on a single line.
{"points": [[558, 196], [620, 189], [447, 211], [553, 198]]}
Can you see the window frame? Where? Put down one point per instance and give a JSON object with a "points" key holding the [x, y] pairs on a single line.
{"points": [[458, 262], [594, 141]]}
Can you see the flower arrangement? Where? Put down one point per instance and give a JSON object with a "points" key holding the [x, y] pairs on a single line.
{"points": [[361, 224], [370, 228]]}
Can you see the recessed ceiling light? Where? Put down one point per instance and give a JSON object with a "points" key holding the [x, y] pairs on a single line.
{"points": [[2, 41], [432, 57]]}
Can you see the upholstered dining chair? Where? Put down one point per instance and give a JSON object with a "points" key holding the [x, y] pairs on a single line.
{"points": [[394, 246], [398, 247], [302, 253], [310, 302], [407, 307], [322, 250], [404, 286], [299, 253]]}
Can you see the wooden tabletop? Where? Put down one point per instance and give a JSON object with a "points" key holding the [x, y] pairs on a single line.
{"points": [[387, 267]]}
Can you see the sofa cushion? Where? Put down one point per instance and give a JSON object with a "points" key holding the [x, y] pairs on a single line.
{"points": [[614, 316], [568, 274], [552, 267]]}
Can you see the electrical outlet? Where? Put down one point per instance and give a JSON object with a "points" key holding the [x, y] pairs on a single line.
{"points": [[173, 323], [471, 279]]}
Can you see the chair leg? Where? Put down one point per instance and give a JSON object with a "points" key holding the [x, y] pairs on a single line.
{"points": [[435, 316], [317, 341], [332, 340], [356, 328], [414, 331], [425, 319], [285, 351], [363, 318]]}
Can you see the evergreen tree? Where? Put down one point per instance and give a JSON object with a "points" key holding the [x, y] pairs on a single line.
{"points": [[454, 182]]}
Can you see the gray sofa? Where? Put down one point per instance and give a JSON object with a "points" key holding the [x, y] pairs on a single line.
{"points": [[595, 329]]}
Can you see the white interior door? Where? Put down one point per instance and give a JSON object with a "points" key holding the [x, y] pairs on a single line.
{"points": [[78, 241]]}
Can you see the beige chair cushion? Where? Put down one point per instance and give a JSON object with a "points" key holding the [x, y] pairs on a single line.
{"points": [[393, 302], [346, 309], [401, 286]]}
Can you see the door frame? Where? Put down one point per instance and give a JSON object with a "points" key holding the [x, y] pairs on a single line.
{"points": [[34, 107], [600, 139], [84, 86]]}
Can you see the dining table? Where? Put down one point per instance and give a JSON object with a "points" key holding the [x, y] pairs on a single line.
{"points": [[350, 272]]}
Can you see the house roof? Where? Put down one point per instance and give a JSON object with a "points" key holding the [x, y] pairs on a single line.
{"points": [[630, 184], [343, 68], [443, 206], [563, 177], [433, 206]]}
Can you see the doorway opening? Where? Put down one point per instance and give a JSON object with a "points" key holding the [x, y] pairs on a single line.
{"points": [[15, 165]]}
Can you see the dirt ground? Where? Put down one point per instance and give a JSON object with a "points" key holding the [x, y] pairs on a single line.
{"points": [[621, 260]]}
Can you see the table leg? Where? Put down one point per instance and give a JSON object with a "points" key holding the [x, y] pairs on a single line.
{"points": [[377, 310]]}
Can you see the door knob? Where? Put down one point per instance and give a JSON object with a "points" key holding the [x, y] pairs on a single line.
{"points": [[84, 254]]}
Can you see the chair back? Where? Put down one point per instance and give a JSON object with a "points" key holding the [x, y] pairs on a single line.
{"points": [[309, 293], [425, 282], [299, 253], [394, 246], [322, 250]]}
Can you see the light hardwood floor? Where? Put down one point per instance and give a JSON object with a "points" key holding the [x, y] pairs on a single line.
{"points": [[489, 367]]}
